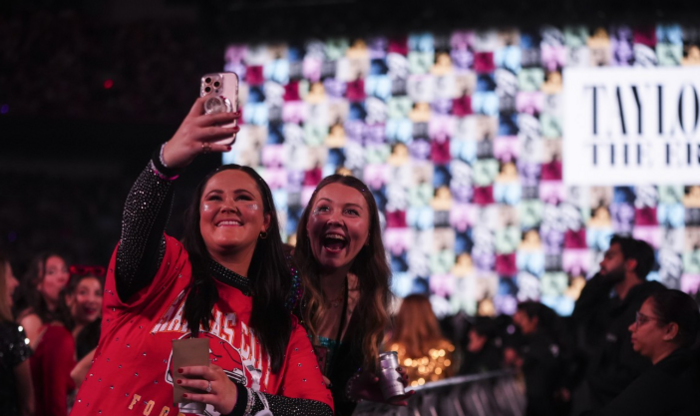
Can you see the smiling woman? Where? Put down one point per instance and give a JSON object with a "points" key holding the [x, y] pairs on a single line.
{"points": [[344, 269], [226, 282]]}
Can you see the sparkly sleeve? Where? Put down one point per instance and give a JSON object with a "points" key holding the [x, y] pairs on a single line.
{"points": [[16, 347], [282, 405], [142, 243]]}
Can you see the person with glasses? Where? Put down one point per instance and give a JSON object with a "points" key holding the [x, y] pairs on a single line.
{"points": [[606, 360], [666, 328]]}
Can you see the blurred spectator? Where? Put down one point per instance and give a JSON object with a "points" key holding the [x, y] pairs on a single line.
{"points": [[539, 358], [423, 351], [666, 326], [604, 311], [482, 354], [16, 392], [84, 299], [44, 314], [38, 300]]}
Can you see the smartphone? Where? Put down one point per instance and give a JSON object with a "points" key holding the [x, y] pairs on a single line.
{"points": [[187, 352], [221, 91]]}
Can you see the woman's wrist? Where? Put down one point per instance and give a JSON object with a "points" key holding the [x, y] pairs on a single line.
{"points": [[160, 166]]}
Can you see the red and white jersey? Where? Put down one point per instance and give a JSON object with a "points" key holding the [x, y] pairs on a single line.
{"points": [[131, 373]]}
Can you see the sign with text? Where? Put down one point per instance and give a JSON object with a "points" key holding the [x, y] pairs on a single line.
{"points": [[631, 126]]}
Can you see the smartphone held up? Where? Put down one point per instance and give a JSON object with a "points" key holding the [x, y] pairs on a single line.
{"points": [[221, 92]]}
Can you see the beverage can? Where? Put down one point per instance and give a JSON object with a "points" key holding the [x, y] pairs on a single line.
{"points": [[390, 381]]}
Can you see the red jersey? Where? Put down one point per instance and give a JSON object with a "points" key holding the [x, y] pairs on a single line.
{"points": [[131, 373]]}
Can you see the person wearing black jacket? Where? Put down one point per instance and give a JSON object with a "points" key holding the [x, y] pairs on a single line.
{"points": [[540, 359], [482, 354], [666, 326], [605, 311]]}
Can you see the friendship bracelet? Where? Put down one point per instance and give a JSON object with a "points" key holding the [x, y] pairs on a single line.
{"points": [[159, 174], [160, 156]]}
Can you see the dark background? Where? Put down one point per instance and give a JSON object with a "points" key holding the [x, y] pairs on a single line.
{"points": [[70, 147]]}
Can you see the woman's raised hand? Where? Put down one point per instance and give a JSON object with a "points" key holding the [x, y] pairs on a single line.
{"points": [[217, 389], [198, 134]]}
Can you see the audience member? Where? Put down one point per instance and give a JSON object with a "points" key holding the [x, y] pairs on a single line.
{"points": [[345, 274], [423, 351], [38, 300], [666, 326], [84, 299], [45, 315], [482, 354], [226, 282], [539, 358], [611, 302], [16, 389]]}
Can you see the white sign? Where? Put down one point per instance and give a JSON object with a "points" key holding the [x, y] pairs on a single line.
{"points": [[631, 126]]}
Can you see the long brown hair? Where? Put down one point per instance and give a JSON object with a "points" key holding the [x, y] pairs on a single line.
{"points": [[5, 310], [416, 327], [370, 266]]}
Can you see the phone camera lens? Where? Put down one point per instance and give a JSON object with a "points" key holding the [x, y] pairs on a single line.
{"points": [[207, 80], [207, 89], [216, 84]]}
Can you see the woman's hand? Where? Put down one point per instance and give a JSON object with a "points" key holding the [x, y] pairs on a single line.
{"points": [[365, 386], [217, 389], [198, 134]]}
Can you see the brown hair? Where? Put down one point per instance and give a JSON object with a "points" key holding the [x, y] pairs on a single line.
{"points": [[370, 266], [416, 327], [5, 310]]}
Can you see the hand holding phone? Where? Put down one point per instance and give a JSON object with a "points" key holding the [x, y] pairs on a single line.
{"points": [[220, 91]]}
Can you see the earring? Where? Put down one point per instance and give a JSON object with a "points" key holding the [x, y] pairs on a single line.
{"points": [[263, 235]]}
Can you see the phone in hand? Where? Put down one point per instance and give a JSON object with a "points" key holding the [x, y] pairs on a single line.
{"points": [[221, 92]]}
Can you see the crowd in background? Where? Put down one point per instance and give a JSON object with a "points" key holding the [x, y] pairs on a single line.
{"points": [[627, 340], [613, 351]]}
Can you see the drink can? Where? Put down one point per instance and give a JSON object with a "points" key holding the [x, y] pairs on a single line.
{"points": [[390, 381], [192, 408]]}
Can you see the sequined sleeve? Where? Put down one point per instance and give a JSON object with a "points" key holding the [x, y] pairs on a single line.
{"points": [[14, 345], [251, 402], [142, 245]]}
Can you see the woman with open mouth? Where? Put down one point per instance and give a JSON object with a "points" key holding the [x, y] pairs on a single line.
{"points": [[84, 299], [345, 275], [227, 282]]}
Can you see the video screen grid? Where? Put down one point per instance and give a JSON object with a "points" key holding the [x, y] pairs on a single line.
{"points": [[459, 136]]}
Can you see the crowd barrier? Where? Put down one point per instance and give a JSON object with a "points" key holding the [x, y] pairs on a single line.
{"points": [[489, 394]]}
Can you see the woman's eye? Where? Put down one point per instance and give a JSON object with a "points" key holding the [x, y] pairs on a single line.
{"points": [[353, 212], [244, 198], [214, 198]]}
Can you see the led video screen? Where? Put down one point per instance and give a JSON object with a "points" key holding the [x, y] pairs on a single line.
{"points": [[500, 159]]}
